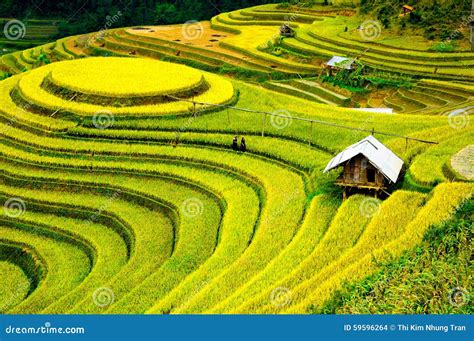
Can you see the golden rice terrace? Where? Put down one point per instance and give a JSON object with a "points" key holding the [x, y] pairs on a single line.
{"points": [[125, 192]]}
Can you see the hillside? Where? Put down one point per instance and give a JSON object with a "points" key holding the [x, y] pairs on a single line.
{"points": [[122, 193]]}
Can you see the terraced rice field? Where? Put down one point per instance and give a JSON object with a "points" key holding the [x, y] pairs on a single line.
{"points": [[236, 40], [234, 43], [26, 35], [121, 196]]}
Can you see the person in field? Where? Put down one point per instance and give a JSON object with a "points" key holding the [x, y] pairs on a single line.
{"points": [[243, 145], [235, 145]]}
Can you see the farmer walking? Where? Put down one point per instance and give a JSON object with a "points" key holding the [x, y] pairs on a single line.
{"points": [[235, 145], [243, 146]]}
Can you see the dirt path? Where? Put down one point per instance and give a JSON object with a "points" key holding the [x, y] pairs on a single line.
{"points": [[72, 46], [201, 35], [195, 35]]}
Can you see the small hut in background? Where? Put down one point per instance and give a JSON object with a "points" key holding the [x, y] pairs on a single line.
{"points": [[407, 9], [286, 31], [338, 63], [368, 164]]}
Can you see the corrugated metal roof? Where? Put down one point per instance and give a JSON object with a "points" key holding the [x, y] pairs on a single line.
{"points": [[341, 62], [380, 156]]}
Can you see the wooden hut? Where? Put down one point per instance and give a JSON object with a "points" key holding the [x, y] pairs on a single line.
{"points": [[407, 9], [368, 164], [287, 31], [338, 63]]}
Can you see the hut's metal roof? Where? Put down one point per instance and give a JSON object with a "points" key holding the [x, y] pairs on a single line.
{"points": [[341, 62], [378, 155]]}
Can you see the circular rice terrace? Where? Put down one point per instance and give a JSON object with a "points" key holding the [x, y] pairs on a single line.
{"points": [[120, 86]]}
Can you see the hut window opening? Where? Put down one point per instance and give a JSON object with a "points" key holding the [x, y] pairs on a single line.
{"points": [[370, 175]]}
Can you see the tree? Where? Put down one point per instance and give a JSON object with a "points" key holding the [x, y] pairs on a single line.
{"points": [[165, 13]]}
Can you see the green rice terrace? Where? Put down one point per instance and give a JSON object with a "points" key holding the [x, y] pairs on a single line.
{"points": [[124, 191]]}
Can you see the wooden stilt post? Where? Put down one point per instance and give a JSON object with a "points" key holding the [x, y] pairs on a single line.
{"points": [[194, 106]]}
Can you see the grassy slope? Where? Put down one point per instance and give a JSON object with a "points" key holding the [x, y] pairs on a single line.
{"points": [[422, 280], [14, 286]]}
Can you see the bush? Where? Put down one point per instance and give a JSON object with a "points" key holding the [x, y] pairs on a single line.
{"points": [[283, 5], [4, 75], [449, 46], [438, 20]]}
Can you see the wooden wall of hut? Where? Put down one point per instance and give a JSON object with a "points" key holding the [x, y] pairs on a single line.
{"points": [[359, 171]]}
